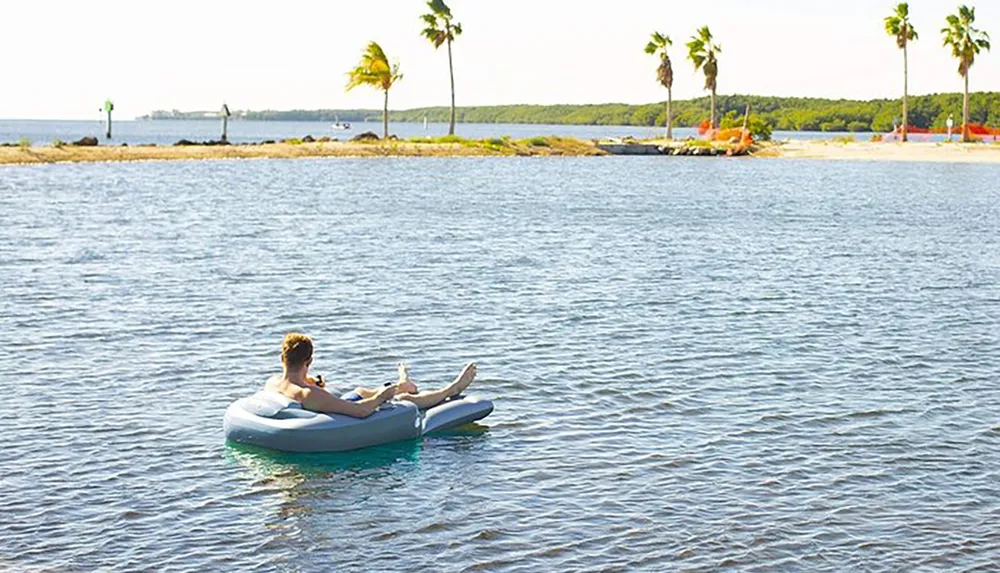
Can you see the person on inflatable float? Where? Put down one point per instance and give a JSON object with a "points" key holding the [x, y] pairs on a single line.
{"points": [[295, 383]]}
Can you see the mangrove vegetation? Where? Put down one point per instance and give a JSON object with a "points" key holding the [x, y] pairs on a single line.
{"points": [[780, 113]]}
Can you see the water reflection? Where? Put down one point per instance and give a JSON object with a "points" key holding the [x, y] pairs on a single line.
{"points": [[271, 465]]}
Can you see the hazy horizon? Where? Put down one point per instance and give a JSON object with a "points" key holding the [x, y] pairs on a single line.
{"points": [[194, 56]]}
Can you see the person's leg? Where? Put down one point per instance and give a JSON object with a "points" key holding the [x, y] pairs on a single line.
{"points": [[432, 398], [365, 393], [403, 385]]}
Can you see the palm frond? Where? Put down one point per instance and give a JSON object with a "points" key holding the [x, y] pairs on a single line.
{"points": [[898, 25], [436, 36], [373, 70], [440, 28], [964, 40], [892, 25], [439, 8]]}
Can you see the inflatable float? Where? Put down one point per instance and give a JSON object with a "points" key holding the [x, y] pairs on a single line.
{"points": [[272, 420]]}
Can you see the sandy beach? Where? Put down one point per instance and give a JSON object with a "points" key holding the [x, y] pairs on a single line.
{"points": [[552, 146], [872, 151]]}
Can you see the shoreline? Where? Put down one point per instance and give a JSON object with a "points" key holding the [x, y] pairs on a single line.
{"points": [[534, 147]]}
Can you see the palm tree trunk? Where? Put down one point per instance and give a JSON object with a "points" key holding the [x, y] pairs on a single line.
{"points": [[712, 115], [385, 117], [451, 72], [965, 110], [670, 121], [906, 76]]}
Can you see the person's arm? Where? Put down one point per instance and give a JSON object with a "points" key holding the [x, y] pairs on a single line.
{"points": [[322, 401]]}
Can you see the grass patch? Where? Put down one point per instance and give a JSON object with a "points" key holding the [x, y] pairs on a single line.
{"points": [[293, 141], [844, 139], [24, 143], [539, 142], [497, 144], [58, 143], [440, 139], [698, 143]]}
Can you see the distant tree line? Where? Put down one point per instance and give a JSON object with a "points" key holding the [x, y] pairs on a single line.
{"points": [[779, 113]]}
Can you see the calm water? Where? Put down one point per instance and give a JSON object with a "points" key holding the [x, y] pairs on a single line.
{"points": [[757, 365], [167, 132]]}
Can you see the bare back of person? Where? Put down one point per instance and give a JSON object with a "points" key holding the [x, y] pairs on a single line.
{"points": [[295, 383]]}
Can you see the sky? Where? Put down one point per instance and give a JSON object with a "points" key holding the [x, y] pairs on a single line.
{"points": [[63, 58]]}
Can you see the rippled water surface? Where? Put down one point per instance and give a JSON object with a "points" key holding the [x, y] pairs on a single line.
{"points": [[697, 364]]}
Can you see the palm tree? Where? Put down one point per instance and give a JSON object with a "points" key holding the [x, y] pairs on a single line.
{"points": [[702, 52], [441, 30], [664, 72], [374, 70], [898, 25], [965, 42]]}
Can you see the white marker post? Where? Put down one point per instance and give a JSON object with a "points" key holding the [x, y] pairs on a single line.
{"points": [[951, 124]]}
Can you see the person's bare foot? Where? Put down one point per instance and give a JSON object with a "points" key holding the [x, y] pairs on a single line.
{"points": [[405, 384], [465, 377]]}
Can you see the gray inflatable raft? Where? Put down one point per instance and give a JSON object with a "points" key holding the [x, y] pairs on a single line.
{"points": [[272, 420]]}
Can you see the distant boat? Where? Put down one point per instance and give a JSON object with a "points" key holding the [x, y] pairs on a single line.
{"points": [[339, 126]]}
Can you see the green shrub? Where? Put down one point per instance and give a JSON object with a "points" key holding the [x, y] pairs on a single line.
{"points": [[24, 143], [58, 143], [833, 125], [496, 142], [759, 127], [539, 142], [844, 139]]}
